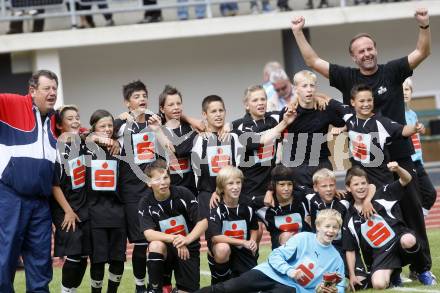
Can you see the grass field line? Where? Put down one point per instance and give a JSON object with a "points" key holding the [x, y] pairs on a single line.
{"points": [[416, 290]]}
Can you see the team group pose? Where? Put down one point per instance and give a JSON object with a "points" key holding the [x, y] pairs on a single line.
{"points": [[163, 180]]}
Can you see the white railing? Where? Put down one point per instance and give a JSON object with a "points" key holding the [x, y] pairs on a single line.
{"points": [[11, 10]]}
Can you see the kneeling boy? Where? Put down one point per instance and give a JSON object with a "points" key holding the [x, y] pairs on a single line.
{"points": [[232, 229], [169, 218], [384, 240]]}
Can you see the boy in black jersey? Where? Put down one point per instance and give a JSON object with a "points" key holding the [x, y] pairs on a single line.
{"points": [[324, 197], [106, 209], [232, 229], [384, 240], [210, 155], [287, 217], [305, 147], [141, 145], [171, 113], [371, 134], [169, 218], [257, 163], [69, 203]]}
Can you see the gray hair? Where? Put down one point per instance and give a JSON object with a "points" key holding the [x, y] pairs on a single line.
{"points": [[278, 75]]}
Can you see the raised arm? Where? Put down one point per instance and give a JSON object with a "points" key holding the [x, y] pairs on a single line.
{"points": [[423, 47], [269, 135], [310, 57], [404, 176]]}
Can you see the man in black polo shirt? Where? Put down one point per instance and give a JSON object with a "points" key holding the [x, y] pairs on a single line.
{"points": [[385, 79]]}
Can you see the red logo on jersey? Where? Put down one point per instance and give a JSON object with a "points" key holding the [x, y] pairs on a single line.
{"points": [[145, 149], [179, 164], [105, 178], [219, 161], [234, 233], [266, 152], [416, 141], [176, 229], [377, 233], [308, 274], [289, 226], [360, 149], [79, 173]]}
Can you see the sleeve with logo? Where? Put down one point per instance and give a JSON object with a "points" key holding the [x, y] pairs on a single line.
{"points": [[349, 236], [338, 111], [192, 206], [392, 191], [145, 218], [214, 223]]}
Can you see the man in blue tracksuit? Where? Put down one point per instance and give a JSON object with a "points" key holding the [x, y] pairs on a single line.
{"points": [[28, 152]]}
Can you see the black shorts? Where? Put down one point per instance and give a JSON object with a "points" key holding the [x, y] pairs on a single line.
{"points": [[251, 281], [241, 259], [72, 243], [387, 257], [108, 244], [134, 233], [186, 272]]}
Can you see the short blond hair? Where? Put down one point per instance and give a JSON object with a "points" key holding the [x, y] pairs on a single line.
{"points": [[321, 174], [408, 82], [304, 74], [328, 214], [252, 89], [223, 176]]}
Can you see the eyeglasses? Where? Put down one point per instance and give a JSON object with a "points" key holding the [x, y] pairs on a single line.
{"points": [[284, 88]]}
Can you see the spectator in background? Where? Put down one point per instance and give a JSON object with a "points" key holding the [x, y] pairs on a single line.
{"points": [[182, 11], [16, 27], [150, 16], [322, 4], [229, 8], [86, 21], [283, 5], [427, 193], [267, 85], [283, 88], [255, 9]]}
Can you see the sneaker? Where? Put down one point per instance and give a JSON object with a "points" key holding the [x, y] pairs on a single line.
{"points": [[412, 275], [427, 278]]}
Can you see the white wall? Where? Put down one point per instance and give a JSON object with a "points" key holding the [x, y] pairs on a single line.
{"points": [[93, 76]]}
